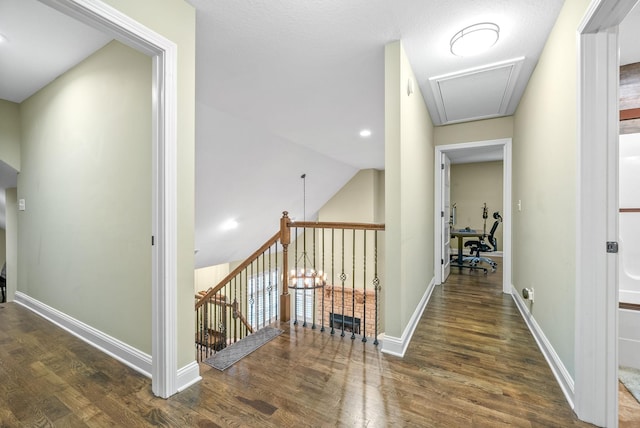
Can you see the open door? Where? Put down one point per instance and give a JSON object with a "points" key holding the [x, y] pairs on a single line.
{"points": [[446, 216]]}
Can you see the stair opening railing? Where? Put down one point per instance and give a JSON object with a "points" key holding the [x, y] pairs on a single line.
{"points": [[245, 301], [344, 296]]}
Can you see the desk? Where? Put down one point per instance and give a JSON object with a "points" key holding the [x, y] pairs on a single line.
{"points": [[461, 234]]}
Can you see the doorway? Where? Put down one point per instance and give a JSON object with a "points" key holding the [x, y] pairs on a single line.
{"points": [[163, 364], [474, 150]]}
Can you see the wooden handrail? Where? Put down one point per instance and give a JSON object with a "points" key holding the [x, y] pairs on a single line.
{"points": [[239, 269], [630, 210], [336, 225]]}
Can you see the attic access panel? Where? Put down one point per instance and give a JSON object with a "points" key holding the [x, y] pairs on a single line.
{"points": [[479, 93]]}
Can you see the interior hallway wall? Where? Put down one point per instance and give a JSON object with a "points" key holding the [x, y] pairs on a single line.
{"points": [[84, 237], [10, 133], [544, 180], [409, 195], [176, 20], [479, 130]]}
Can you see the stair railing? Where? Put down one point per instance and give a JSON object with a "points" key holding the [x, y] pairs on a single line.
{"points": [[245, 301], [258, 291]]}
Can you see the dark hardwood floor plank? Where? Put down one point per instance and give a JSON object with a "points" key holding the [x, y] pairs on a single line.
{"points": [[472, 362]]}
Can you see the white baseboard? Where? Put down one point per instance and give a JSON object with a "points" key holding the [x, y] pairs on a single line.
{"points": [[398, 345], [560, 372], [126, 354], [188, 375]]}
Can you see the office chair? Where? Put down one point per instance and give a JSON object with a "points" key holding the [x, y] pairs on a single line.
{"points": [[479, 245]]}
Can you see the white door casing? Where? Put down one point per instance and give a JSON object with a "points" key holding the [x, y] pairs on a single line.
{"points": [[446, 223], [505, 144]]}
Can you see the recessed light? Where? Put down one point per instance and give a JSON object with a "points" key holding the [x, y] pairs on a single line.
{"points": [[229, 224], [365, 133], [3, 38]]}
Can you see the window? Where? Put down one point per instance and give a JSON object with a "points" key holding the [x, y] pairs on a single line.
{"points": [[304, 305], [262, 305]]}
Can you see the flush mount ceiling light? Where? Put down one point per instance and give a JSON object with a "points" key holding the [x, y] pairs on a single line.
{"points": [[474, 39], [365, 133]]}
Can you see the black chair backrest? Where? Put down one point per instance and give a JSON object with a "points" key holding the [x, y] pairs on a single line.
{"points": [[492, 238]]}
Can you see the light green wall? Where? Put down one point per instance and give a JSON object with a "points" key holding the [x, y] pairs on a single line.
{"points": [[10, 133], [544, 179], [473, 185], [409, 193], [210, 276], [86, 180], [176, 20], [358, 201], [480, 130]]}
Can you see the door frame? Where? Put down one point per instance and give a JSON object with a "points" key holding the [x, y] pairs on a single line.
{"points": [[505, 143], [596, 336], [95, 13]]}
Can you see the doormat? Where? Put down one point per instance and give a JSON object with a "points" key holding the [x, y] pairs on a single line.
{"points": [[230, 355], [630, 378]]}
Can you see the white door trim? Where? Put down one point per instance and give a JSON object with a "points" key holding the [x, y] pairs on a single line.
{"points": [[164, 168], [505, 143], [596, 350]]}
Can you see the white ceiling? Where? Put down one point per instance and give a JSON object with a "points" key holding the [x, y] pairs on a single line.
{"points": [[284, 86]]}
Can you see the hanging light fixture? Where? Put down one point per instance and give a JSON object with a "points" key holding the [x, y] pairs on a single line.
{"points": [[305, 276], [474, 39]]}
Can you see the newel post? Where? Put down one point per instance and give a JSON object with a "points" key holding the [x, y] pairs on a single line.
{"points": [[285, 239]]}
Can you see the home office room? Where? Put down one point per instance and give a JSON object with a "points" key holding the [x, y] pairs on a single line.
{"points": [[476, 206]]}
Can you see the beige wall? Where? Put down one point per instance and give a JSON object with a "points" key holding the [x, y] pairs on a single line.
{"points": [[10, 134], [481, 130], [86, 179], [544, 179], [361, 200], [176, 20], [473, 185], [210, 276], [409, 194]]}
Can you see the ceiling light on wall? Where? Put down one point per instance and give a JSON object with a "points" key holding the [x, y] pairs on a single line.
{"points": [[474, 39], [365, 133]]}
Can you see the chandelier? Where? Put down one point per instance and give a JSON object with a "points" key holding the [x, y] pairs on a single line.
{"points": [[305, 277]]}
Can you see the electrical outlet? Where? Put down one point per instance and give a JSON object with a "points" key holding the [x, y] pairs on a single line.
{"points": [[527, 293]]}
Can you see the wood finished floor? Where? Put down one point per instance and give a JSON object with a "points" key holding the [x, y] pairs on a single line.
{"points": [[471, 363]]}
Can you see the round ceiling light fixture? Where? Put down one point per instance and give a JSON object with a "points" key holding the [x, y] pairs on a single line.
{"points": [[365, 133], [474, 39]]}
